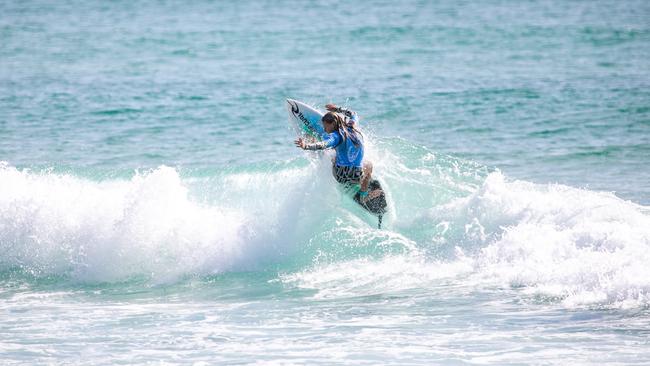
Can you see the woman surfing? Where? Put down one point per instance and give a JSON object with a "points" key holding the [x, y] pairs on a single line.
{"points": [[348, 166]]}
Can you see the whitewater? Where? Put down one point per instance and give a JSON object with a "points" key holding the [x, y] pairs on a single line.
{"points": [[554, 242], [229, 256], [154, 210]]}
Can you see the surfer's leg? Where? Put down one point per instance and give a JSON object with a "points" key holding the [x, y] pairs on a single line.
{"points": [[367, 174]]}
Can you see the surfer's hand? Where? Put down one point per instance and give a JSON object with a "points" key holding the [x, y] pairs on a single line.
{"points": [[300, 143], [331, 107]]}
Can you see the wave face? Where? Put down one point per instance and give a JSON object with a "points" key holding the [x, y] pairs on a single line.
{"points": [[451, 220]]}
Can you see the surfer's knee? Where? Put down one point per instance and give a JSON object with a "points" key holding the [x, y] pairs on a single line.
{"points": [[367, 168]]}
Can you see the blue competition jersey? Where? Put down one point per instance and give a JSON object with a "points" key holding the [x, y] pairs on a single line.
{"points": [[347, 154]]}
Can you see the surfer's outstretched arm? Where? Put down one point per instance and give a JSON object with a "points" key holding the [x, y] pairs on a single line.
{"points": [[330, 140]]}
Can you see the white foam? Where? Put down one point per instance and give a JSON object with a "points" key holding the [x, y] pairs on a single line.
{"points": [[576, 246], [552, 242], [56, 224], [555, 241], [365, 276]]}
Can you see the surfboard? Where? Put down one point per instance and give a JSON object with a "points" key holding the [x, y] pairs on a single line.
{"points": [[306, 121]]}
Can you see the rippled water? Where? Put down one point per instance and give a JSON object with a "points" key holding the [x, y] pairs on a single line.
{"points": [[153, 208]]}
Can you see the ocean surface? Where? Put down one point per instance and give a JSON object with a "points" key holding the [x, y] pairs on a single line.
{"points": [[153, 208]]}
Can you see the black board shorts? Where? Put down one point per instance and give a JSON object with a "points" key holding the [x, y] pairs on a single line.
{"points": [[347, 174]]}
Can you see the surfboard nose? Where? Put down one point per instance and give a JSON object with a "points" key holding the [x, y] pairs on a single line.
{"points": [[292, 105]]}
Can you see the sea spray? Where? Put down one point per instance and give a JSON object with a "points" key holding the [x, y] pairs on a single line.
{"points": [[55, 224], [468, 226], [160, 226], [580, 246], [552, 242]]}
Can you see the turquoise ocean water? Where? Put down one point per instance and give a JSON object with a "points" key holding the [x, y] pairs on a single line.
{"points": [[153, 209]]}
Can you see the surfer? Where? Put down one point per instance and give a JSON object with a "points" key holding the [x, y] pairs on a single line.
{"points": [[342, 135]]}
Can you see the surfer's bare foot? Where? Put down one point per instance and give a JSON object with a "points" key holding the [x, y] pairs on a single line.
{"points": [[370, 195]]}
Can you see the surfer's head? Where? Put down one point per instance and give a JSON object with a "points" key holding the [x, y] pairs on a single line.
{"points": [[334, 122], [331, 122]]}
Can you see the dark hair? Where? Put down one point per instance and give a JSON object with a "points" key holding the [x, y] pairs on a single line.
{"points": [[346, 131]]}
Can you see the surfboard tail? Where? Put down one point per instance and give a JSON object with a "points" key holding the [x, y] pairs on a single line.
{"points": [[376, 205]]}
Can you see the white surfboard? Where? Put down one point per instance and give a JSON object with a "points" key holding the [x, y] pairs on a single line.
{"points": [[305, 119]]}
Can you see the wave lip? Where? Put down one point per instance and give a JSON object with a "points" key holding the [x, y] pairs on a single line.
{"points": [[552, 242], [578, 246], [61, 225]]}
